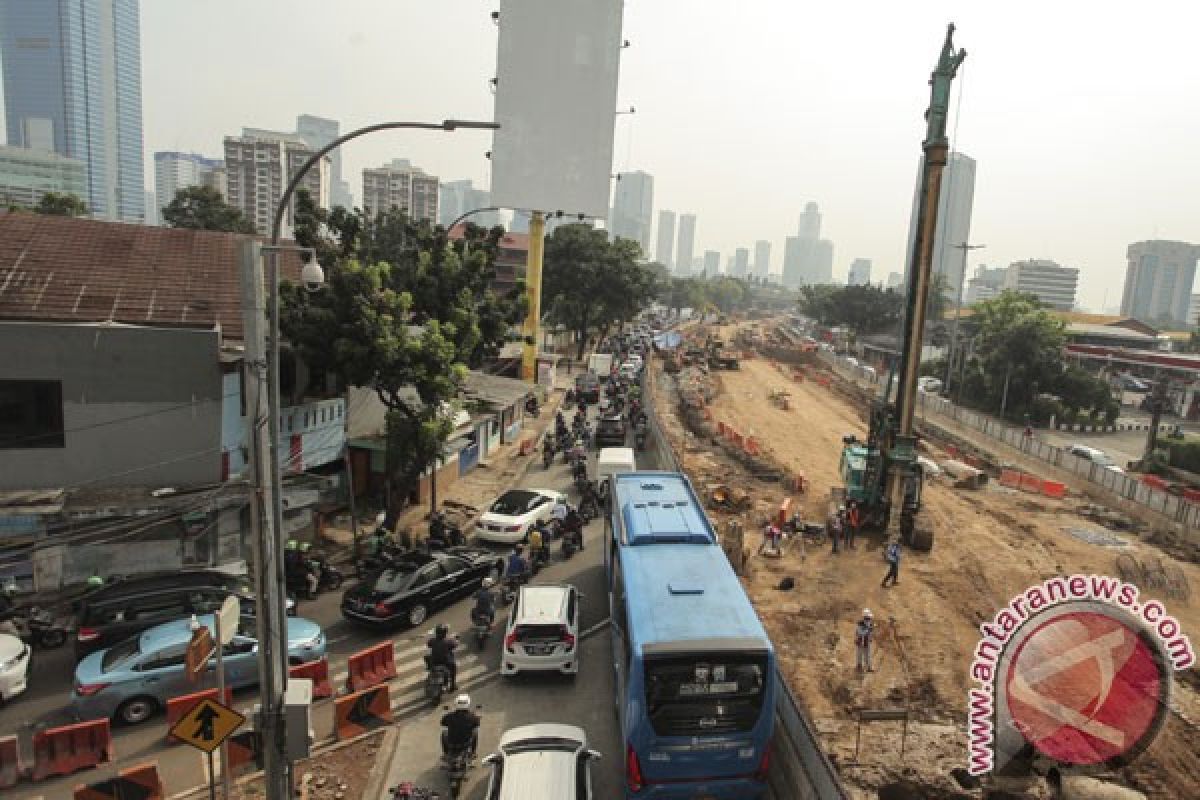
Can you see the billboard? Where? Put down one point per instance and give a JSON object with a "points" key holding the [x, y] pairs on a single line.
{"points": [[556, 96]]}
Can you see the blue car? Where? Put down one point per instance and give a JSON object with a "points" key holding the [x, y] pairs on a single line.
{"points": [[130, 681]]}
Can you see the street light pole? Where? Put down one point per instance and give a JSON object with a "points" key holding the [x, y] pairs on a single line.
{"points": [[268, 545], [962, 279]]}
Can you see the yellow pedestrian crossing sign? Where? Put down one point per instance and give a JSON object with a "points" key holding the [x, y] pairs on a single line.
{"points": [[207, 725]]}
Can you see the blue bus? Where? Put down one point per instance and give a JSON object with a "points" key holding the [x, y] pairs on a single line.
{"points": [[694, 669]]}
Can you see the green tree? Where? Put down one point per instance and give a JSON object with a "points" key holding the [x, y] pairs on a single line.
{"points": [[61, 205], [405, 311], [203, 208], [861, 308]]}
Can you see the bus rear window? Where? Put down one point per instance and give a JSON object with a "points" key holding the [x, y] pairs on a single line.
{"points": [[697, 695]]}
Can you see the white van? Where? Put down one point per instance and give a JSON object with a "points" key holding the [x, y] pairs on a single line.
{"points": [[614, 461]]}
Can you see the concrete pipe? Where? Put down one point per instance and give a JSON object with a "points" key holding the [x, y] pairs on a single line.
{"points": [[1083, 787]]}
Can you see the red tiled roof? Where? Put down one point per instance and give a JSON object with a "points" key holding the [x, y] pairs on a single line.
{"points": [[81, 270]]}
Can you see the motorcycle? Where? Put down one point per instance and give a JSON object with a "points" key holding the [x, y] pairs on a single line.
{"points": [[456, 762], [482, 628], [531, 407], [36, 626], [512, 584], [407, 790], [589, 507], [437, 681], [570, 543], [329, 578], [579, 474], [639, 438], [547, 456]]}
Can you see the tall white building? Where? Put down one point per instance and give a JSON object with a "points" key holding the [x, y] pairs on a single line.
{"points": [[456, 198], [318, 132], [633, 205], [712, 263], [174, 171], [685, 249], [762, 258], [401, 185], [741, 263], [1050, 282], [955, 203], [895, 280], [258, 166], [807, 258], [810, 222], [1193, 319], [1158, 280], [664, 246], [859, 273], [985, 284]]}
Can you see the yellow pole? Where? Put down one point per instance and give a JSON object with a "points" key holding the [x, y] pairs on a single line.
{"points": [[533, 283]]}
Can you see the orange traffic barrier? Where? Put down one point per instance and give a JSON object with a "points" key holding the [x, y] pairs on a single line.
{"points": [[371, 666], [752, 446], [798, 376], [10, 761], [952, 451], [245, 752], [362, 711], [1054, 489], [739, 440], [781, 515], [722, 428], [61, 751], [526, 447], [823, 380], [1191, 495], [141, 782], [1154, 482], [1010, 478], [1031, 483], [800, 482], [318, 673], [177, 707]]}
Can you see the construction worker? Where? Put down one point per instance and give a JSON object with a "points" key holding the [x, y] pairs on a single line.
{"points": [[891, 554], [864, 631], [854, 521], [834, 526]]}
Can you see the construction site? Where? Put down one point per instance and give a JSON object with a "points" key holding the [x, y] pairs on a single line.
{"points": [[757, 420]]}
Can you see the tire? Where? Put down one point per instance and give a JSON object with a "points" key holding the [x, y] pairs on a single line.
{"points": [[137, 710], [334, 581], [52, 638], [417, 614]]}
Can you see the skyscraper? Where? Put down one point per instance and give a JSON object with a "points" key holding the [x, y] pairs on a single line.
{"points": [[318, 132], [1158, 280], [793, 261], [712, 263], [762, 258], [807, 258], [860, 272], [458, 197], [741, 263], [174, 171], [401, 185], [665, 241], [810, 223], [985, 284], [1050, 282], [955, 202], [259, 164], [685, 250], [819, 262], [73, 85], [894, 280], [633, 204]]}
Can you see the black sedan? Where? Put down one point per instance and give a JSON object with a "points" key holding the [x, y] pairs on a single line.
{"points": [[405, 591], [610, 431]]}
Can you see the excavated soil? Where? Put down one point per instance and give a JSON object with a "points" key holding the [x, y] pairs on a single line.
{"points": [[990, 545]]}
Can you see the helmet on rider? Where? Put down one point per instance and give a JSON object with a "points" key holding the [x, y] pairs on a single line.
{"points": [[291, 544], [305, 547], [517, 548], [441, 631], [462, 702], [867, 613], [488, 583]]}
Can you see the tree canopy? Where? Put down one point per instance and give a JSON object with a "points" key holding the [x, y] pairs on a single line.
{"points": [[864, 309], [203, 208], [60, 204]]}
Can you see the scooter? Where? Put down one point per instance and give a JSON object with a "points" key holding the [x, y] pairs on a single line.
{"points": [[639, 438], [547, 456], [437, 681], [36, 626], [456, 762], [570, 543], [512, 584]]}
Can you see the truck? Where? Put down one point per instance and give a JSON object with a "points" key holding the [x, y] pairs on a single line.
{"points": [[600, 364]]}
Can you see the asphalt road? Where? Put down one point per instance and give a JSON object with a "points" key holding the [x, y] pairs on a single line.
{"points": [[585, 701]]}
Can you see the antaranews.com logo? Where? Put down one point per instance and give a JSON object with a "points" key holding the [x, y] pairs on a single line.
{"points": [[1075, 669]]}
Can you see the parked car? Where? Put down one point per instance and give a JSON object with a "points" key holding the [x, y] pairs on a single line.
{"points": [[1095, 456], [130, 681], [405, 591], [544, 761], [14, 665], [542, 631], [587, 387], [610, 431], [509, 519], [117, 611], [929, 384]]}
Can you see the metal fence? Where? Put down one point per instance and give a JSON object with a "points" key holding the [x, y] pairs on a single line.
{"points": [[1119, 488]]}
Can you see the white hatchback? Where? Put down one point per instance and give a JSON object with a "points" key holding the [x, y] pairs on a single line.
{"points": [[544, 761], [14, 665], [543, 631]]}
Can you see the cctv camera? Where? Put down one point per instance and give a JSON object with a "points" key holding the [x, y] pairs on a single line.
{"points": [[312, 275]]}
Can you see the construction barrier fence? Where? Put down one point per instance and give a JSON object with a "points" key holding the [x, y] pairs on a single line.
{"points": [[61, 751], [371, 666]]}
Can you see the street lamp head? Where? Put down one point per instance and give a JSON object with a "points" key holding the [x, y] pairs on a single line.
{"points": [[455, 124], [312, 276]]}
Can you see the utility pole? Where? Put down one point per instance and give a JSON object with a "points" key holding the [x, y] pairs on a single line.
{"points": [[962, 279], [533, 280], [268, 586], [1158, 404]]}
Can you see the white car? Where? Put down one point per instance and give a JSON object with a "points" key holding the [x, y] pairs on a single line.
{"points": [[929, 384], [628, 370], [509, 519], [1095, 456], [542, 633], [14, 664], [544, 761]]}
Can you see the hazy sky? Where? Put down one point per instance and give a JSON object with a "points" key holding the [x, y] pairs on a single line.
{"points": [[1084, 118]]}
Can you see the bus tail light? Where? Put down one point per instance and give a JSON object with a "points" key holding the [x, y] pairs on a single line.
{"points": [[764, 765], [633, 771]]}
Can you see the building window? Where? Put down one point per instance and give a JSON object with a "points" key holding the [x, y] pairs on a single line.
{"points": [[31, 415]]}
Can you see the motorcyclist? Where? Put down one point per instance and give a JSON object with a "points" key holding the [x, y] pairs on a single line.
{"points": [[573, 526], [312, 567], [8, 604], [295, 565], [485, 602], [460, 728], [441, 653], [438, 535], [517, 566], [379, 542], [536, 543]]}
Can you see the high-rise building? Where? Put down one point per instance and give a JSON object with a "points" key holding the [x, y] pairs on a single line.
{"points": [[955, 201], [26, 176], [762, 258], [664, 245], [895, 280], [458, 197], [1193, 319], [712, 263], [686, 248], [73, 86], [633, 205], [1051, 283], [819, 264], [403, 186], [741, 263], [174, 171], [986, 283], [793, 261], [1158, 280], [810, 222], [859, 273], [318, 132], [258, 165], [807, 258]]}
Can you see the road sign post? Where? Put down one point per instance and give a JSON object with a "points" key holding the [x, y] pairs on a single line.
{"points": [[226, 624], [199, 651]]}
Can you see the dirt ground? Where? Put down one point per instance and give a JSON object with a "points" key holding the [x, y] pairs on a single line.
{"points": [[340, 773], [990, 545]]}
